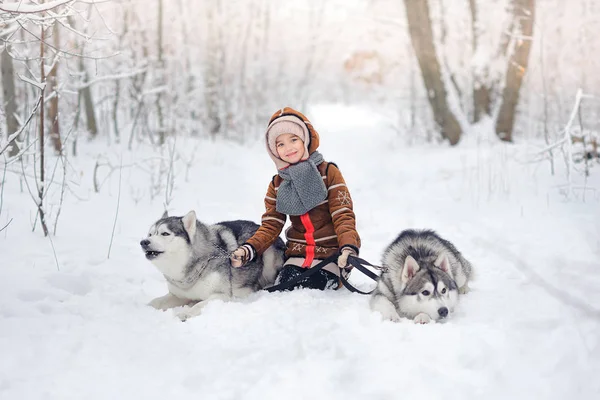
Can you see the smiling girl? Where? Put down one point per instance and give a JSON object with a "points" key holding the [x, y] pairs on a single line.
{"points": [[314, 194]]}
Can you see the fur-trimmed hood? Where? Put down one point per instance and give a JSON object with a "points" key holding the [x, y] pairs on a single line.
{"points": [[289, 114]]}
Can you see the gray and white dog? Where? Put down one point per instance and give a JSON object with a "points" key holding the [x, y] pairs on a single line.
{"points": [[423, 276], [194, 259]]}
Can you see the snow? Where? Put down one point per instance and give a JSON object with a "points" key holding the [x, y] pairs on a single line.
{"points": [[528, 329]]}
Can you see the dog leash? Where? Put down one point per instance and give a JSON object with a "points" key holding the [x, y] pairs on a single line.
{"points": [[191, 279], [356, 262], [291, 282], [225, 253], [359, 264]]}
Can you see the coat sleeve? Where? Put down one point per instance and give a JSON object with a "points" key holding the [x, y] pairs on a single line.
{"points": [[271, 224], [340, 207]]}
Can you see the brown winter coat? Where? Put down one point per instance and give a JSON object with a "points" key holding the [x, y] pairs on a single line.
{"points": [[323, 230]]}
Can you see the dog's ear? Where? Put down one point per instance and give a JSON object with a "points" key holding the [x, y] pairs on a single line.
{"points": [[411, 267], [189, 224], [443, 263], [165, 215]]}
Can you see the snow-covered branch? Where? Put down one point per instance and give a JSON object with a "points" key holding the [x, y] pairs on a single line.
{"points": [[567, 134], [570, 135], [16, 134], [39, 85], [20, 8], [111, 78]]}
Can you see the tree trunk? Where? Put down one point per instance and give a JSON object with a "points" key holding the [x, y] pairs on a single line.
{"points": [[9, 97], [88, 102], [115, 110], [138, 81], [161, 74], [481, 90], [42, 181], [263, 81], [53, 110], [212, 76], [523, 17], [421, 35], [85, 93], [315, 25]]}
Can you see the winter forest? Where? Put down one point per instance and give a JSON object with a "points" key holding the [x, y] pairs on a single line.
{"points": [[479, 119]]}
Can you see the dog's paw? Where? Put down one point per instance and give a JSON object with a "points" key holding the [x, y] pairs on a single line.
{"points": [[168, 301], [422, 318], [188, 313], [392, 317], [183, 315], [465, 289], [159, 303], [385, 308], [388, 315]]}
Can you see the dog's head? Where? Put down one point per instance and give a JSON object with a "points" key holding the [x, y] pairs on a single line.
{"points": [[169, 241], [428, 287]]}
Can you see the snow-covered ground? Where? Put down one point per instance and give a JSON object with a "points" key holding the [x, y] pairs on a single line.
{"points": [[74, 324]]}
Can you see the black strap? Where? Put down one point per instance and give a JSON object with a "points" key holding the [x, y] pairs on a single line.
{"points": [[358, 263], [306, 274]]}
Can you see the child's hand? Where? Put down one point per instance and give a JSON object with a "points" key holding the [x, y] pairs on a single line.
{"points": [[343, 258], [240, 256]]}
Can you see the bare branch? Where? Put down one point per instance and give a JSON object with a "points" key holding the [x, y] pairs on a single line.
{"points": [[567, 137], [2, 188], [112, 77], [39, 85], [40, 39], [5, 226], [20, 8], [117, 211]]}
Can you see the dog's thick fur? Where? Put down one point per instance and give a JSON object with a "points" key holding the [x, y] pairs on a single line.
{"points": [[423, 277], [194, 259]]}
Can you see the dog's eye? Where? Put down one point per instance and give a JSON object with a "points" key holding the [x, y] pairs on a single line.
{"points": [[444, 291], [165, 233], [425, 293]]}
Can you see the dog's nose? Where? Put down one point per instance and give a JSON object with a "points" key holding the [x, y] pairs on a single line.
{"points": [[144, 243], [443, 311]]}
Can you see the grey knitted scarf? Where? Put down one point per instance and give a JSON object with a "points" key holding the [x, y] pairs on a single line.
{"points": [[302, 187]]}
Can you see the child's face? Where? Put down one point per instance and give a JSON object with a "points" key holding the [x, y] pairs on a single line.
{"points": [[290, 148]]}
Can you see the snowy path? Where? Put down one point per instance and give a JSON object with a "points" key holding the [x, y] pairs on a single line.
{"points": [[529, 328]]}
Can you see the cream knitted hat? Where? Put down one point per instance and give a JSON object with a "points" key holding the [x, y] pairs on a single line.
{"points": [[286, 124]]}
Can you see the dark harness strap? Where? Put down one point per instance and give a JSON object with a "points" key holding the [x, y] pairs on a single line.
{"points": [[306, 274], [356, 262], [359, 263]]}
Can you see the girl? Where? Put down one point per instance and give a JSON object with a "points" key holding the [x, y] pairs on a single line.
{"points": [[313, 193]]}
